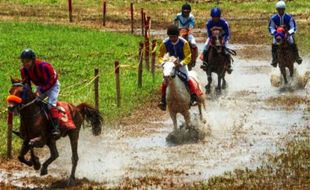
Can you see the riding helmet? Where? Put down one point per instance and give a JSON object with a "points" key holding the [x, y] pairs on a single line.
{"points": [[186, 7], [216, 12], [280, 5], [28, 54], [173, 30]]}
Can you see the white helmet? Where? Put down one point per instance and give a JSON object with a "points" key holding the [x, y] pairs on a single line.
{"points": [[280, 5]]}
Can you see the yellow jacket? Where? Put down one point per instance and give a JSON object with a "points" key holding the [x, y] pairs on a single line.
{"points": [[179, 50]]}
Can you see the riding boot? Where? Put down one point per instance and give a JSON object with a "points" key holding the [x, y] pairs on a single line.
{"points": [[192, 89], [163, 104], [229, 69], [204, 65], [274, 52], [55, 122], [56, 130], [296, 53]]}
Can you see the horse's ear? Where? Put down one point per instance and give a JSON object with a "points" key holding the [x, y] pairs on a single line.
{"points": [[14, 80]]}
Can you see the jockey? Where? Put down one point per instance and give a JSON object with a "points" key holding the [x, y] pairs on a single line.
{"points": [[178, 47], [45, 78], [216, 21], [286, 20], [186, 20]]}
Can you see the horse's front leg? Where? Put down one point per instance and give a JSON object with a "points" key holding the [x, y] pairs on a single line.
{"points": [[174, 120], [74, 137], [282, 69], [23, 151], [219, 82], [291, 68], [208, 86], [35, 160], [187, 119], [224, 82], [54, 155]]}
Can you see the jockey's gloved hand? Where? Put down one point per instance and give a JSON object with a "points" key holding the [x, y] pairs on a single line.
{"points": [[177, 63]]}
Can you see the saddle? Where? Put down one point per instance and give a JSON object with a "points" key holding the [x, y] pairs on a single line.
{"points": [[65, 117]]}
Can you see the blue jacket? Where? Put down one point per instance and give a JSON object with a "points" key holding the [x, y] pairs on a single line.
{"points": [[286, 20], [184, 22], [222, 23]]}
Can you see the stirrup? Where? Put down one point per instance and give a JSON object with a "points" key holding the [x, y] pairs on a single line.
{"points": [[299, 60], [162, 106]]}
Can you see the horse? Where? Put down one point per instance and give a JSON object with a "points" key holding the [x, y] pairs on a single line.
{"points": [[184, 32], [35, 126], [286, 57], [217, 60], [178, 95]]}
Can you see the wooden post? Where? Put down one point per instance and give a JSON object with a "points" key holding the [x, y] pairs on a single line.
{"points": [[140, 68], [147, 27], [118, 85], [153, 58], [9, 135], [96, 85], [142, 21], [104, 12], [147, 54], [131, 14], [70, 10]]}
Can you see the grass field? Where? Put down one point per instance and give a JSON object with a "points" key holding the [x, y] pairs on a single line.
{"points": [[75, 52], [248, 19]]}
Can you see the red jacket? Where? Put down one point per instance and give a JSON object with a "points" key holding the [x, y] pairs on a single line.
{"points": [[42, 74]]}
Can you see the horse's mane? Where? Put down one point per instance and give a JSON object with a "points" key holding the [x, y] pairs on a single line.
{"points": [[168, 58]]}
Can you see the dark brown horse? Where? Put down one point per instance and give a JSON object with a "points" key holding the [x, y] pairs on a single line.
{"points": [[217, 60], [35, 127], [286, 57], [184, 32]]}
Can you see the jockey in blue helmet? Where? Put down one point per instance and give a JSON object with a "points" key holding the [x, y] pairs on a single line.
{"points": [[185, 19], [217, 21], [282, 19]]}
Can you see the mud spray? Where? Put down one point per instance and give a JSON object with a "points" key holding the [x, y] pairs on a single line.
{"points": [[241, 129]]}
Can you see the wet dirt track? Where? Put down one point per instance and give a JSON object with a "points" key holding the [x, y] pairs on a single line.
{"points": [[242, 127]]}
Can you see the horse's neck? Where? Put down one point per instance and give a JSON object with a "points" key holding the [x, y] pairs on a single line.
{"points": [[177, 89]]}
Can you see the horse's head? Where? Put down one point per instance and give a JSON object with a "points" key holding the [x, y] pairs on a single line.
{"points": [[217, 38], [280, 35], [20, 93], [184, 32], [168, 70]]}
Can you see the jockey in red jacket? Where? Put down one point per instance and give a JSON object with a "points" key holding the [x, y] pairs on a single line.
{"points": [[42, 75]]}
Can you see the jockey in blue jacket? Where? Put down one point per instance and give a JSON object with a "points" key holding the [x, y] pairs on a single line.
{"points": [[186, 20], [287, 21], [216, 21]]}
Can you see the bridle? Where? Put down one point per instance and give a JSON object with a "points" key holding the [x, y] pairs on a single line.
{"points": [[19, 100]]}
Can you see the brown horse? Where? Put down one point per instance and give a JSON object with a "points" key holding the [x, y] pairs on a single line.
{"points": [[217, 60], [184, 32], [286, 57], [35, 127]]}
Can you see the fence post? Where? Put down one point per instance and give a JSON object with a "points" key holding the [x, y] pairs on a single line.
{"points": [[104, 12], [140, 68], [96, 88], [9, 135], [118, 85], [70, 10], [142, 21], [131, 14], [153, 58], [147, 54]]}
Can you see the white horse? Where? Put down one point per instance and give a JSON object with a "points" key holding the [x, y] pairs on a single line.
{"points": [[178, 96]]}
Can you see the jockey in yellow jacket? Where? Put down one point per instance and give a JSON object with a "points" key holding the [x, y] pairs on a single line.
{"points": [[178, 47]]}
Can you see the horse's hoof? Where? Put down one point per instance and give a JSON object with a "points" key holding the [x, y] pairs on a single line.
{"points": [[43, 171], [71, 181], [37, 165]]}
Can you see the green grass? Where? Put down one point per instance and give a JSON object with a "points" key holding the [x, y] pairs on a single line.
{"points": [[75, 52]]}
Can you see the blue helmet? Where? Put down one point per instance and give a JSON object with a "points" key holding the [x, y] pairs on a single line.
{"points": [[216, 12], [28, 54]]}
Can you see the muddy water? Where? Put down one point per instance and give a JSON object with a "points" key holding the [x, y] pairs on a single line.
{"points": [[241, 129]]}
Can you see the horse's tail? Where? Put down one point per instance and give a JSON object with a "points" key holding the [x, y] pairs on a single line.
{"points": [[92, 116]]}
